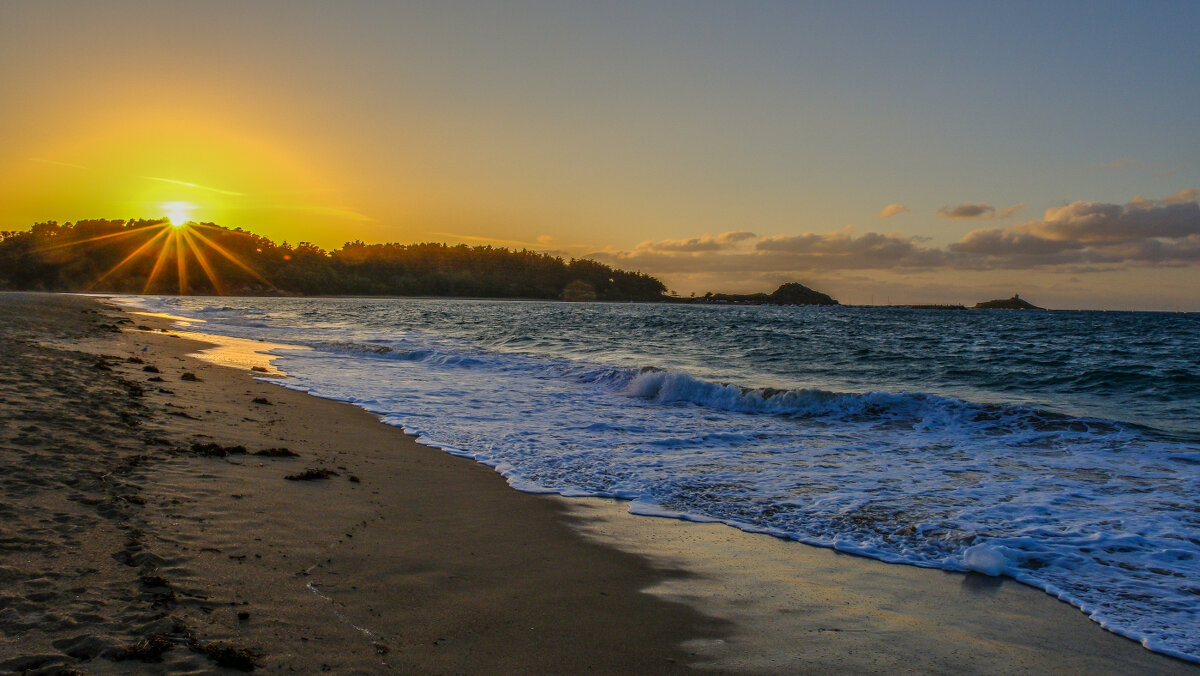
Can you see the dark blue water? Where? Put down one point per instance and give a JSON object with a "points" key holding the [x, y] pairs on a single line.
{"points": [[1142, 368]]}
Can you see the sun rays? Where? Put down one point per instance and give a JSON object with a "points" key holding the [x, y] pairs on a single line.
{"points": [[173, 243]]}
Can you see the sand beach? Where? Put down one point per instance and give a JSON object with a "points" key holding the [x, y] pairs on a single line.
{"points": [[163, 512]]}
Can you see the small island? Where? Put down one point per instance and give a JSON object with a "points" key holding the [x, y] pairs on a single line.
{"points": [[1014, 303], [792, 293]]}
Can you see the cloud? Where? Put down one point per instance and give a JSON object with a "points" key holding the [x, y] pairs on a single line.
{"points": [[842, 250], [978, 210], [1142, 231], [544, 239], [703, 244], [1011, 211], [1002, 242], [194, 185], [1185, 195], [734, 237], [1078, 237], [1090, 222], [967, 210], [42, 160], [838, 250], [894, 210]]}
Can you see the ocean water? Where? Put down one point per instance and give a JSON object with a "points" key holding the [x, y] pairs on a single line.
{"points": [[1061, 449]]}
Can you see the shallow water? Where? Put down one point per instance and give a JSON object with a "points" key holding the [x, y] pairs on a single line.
{"points": [[1061, 448]]}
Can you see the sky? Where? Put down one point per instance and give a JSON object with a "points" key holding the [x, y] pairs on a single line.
{"points": [[901, 152]]}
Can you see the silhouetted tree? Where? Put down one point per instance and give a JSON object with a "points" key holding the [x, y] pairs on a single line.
{"points": [[204, 258]]}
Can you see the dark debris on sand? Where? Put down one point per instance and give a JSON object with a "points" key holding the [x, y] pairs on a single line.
{"points": [[277, 453], [149, 649], [226, 655], [312, 474], [222, 653], [213, 450]]}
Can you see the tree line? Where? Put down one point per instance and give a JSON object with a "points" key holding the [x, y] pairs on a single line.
{"points": [[145, 256]]}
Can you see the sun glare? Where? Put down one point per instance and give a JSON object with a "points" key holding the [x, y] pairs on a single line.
{"points": [[167, 242], [177, 212]]}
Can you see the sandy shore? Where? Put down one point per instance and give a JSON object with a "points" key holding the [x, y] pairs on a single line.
{"points": [[149, 524]]}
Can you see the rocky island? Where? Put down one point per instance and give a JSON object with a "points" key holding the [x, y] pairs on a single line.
{"points": [[792, 293], [1014, 303]]}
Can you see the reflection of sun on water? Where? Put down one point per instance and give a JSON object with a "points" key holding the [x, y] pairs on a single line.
{"points": [[177, 212]]}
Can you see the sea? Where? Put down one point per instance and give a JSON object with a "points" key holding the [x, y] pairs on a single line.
{"points": [[1060, 449]]}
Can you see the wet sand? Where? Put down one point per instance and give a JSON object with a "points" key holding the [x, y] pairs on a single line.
{"points": [[149, 524]]}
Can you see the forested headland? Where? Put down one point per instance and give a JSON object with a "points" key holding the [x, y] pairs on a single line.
{"points": [[141, 256]]}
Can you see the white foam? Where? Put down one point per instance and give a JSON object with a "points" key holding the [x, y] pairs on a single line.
{"points": [[985, 559]]}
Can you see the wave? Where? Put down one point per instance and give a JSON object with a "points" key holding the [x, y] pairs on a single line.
{"points": [[919, 411], [916, 410], [427, 355], [352, 347]]}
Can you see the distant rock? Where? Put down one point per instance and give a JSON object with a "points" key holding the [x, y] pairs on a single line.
{"points": [[1014, 303], [795, 293], [792, 293]]}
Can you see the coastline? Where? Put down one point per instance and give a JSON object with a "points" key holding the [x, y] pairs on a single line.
{"points": [[430, 562]]}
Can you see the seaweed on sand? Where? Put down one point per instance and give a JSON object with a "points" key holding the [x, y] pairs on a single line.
{"points": [[312, 474]]}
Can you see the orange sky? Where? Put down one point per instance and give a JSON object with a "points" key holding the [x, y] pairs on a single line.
{"points": [[895, 159]]}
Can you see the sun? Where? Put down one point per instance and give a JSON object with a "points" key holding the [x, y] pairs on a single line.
{"points": [[177, 212]]}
